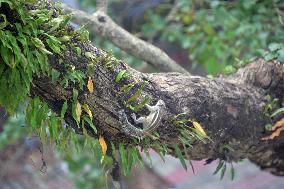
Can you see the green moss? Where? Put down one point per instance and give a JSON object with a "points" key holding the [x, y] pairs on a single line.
{"points": [[24, 47]]}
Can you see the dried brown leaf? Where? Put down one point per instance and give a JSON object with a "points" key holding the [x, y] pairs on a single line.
{"points": [[90, 85], [277, 128]]}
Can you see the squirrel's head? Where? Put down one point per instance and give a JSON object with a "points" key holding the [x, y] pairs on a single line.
{"points": [[161, 103]]}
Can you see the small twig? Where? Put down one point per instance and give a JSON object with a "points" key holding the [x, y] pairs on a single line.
{"points": [[279, 13], [101, 24], [102, 5], [172, 12]]}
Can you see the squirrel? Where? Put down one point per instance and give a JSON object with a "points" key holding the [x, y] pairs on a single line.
{"points": [[149, 122]]}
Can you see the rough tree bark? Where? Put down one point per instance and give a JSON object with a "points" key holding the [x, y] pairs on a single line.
{"points": [[230, 109]]}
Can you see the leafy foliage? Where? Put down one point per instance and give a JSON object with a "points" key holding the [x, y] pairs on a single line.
{"points": [[222, 168], [214, 33], [217, 32], [276, 51], [274, 109], [19, 60], [27, 38], [24, 48]]}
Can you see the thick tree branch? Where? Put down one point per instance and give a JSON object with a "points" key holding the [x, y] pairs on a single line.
{"points": [[231, 109], [103, 25]]}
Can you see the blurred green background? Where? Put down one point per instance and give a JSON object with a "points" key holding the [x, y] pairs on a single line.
{"points": [[207, 33]]}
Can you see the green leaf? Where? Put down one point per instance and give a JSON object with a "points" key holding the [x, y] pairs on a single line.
{"points": [[75, 141], [281, 55], [65, 38], [89, 121], [184, 142], [31, 1], [66, 20], [89, 55], [2, 67], [84, 34], [55, 23], [228, 147], [122, 153], [130, 159], [223, 171], [75, 95], [52, 128], [78, 51], [220, 165], [139, 157], [119, 76], [39, 44], [137, 93], [192, 167], [278, 111], [4, 23], [270, 56], [229, 69], [63, 109], [268, 127], [146, 151], [274, 46], [7, 56], [53, 43], [261, 52], [54, 75], [232, 172], [127, 88], [159, 150], [145, 101], [180, 156]]}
